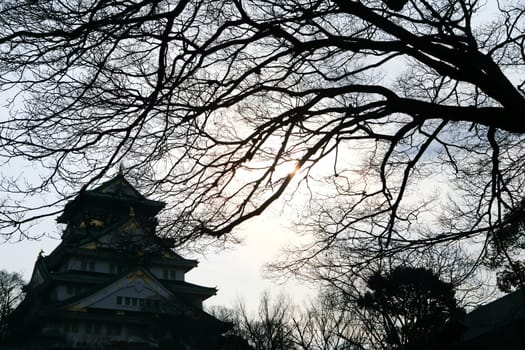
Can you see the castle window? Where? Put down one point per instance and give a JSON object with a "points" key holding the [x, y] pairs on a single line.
{"points": [[87, 265], [169, 274], [116, 268], [73, 290], [140, 302], [71, 327], [92, 328], [114, 329]]}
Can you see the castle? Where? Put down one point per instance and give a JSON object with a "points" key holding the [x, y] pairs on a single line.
{"points": [[113, 283]]}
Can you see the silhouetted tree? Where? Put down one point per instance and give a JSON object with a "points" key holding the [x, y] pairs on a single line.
{"points": [[270, 328], [409, 305], [218, 105], [405, 305], [325, 325], [10, 295], [342, 267], [322, 325], [505, 250], [344, 275]]}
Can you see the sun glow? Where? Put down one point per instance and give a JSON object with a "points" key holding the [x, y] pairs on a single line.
{"points": [[295, 169], [288, 169]]}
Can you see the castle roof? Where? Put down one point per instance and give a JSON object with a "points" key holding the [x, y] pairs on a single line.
{"points": [[115, 192]]}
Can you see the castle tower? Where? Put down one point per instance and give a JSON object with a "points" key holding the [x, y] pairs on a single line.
{"points": [[112, 283]]}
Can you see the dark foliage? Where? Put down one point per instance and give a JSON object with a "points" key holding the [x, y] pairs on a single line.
{"points": [[410, 304], [505, 249]]}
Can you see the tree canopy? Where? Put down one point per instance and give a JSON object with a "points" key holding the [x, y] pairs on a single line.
{"points": [[398, 121], [505, 250], [409, 305]]}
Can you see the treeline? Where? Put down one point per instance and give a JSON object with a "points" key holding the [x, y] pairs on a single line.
{"points": [[406, 306]]}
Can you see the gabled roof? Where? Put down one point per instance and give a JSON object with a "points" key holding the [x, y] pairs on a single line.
{"points": [[139, 283], [118, 187], [116, 190]]}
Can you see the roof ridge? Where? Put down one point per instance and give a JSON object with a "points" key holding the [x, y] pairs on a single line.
{"points": [[119, 178]]}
